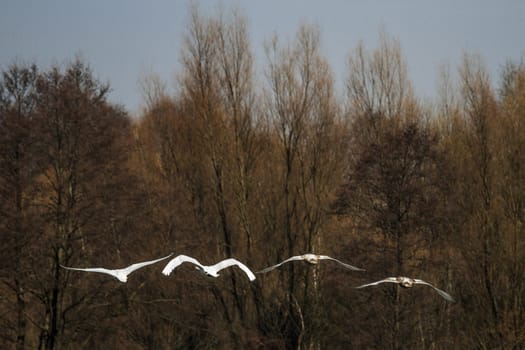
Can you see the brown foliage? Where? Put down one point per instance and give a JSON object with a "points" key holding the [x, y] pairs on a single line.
{"points": [[226, 168]]}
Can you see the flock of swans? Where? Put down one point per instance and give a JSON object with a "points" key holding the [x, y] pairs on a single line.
{"points": [[213, 270]]}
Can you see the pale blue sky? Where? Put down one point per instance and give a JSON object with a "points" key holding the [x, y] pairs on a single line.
{"points": [[119, 39]]}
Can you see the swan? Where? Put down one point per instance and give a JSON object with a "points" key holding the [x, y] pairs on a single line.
{"points": [[211, 270], [312, 259], [408, 282], [120, 274]]}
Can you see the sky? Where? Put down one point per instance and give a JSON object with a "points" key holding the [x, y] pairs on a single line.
{"points": [[124, 39]]}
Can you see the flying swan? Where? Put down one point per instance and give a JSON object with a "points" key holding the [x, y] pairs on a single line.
{"points": [[120, 274], [207, 270], [312, 259], [408, 282]]}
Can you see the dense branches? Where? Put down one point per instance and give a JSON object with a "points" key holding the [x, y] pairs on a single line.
{"points": [[65, 168], [259, 170]]}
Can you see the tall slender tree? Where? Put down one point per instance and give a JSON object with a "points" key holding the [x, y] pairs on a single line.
{"points": [[18, 169], [305, 124], [394, 184]]}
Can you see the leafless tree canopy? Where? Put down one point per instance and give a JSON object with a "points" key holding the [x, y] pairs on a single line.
{"points": [[261, 168]]}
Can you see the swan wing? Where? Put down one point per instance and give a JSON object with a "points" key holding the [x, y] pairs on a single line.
{"points": [[348, 266], [91, 269], [388, 279], [444, 294], [137, 266], [233, 262], [178, 260], [270, 268]]}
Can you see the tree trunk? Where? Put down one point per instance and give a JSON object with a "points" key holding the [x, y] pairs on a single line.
{"points": [[21, 326]]}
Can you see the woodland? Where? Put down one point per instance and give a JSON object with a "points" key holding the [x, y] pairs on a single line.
{"points": [[259, 164]]}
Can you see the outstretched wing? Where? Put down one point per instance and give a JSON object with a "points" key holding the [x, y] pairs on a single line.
{"points": [[348, 266], [90, 269], [231, 262], [178, 260], [441, 292], [137, 266], [388, 279], [270, 268]]}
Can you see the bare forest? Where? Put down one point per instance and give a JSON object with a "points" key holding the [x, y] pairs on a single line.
{"points": [[261, 163]]}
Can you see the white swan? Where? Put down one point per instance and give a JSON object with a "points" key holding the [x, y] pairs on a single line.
{"points": [[408, 282], [120, 274], [207, 270], [312, 259]]}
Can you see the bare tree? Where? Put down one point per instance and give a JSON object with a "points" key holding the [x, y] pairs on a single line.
{"points": [[73, 128], [377, 83], [304, 120], [393, 184], [511, 185], [489, 138], [18, 170], [152, 88], [217, 154], [479, 199]]}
